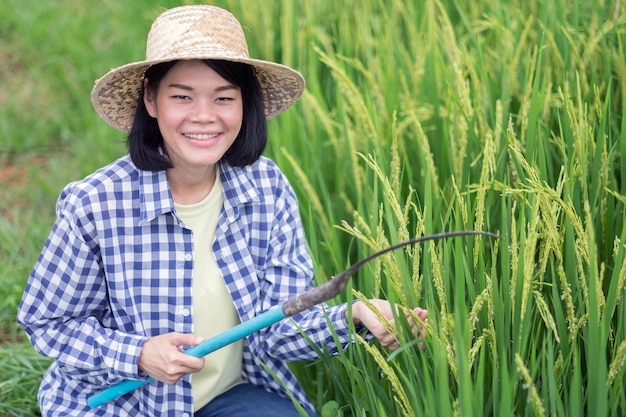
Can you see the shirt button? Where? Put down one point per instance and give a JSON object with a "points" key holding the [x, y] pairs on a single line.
{"points": [[185, 415], [188, 257], [185, 312]]}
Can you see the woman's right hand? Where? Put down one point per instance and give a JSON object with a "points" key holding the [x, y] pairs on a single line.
{"points": [[163, 359]]}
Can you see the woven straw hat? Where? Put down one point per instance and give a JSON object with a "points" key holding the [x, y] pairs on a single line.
{"points": [[192, 32]]}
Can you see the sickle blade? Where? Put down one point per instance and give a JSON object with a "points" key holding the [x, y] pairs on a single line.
{"points": [[339, 282]]}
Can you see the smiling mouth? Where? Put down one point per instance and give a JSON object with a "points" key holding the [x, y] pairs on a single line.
{"points": [[200, 136]]}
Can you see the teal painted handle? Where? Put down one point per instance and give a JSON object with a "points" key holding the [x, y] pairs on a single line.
{"points": [[210, 345]]}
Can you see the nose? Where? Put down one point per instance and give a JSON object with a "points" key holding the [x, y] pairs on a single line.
{"points": [[203, 112]]}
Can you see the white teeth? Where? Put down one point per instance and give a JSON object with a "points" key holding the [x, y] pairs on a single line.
{"points": [[201, 136]]}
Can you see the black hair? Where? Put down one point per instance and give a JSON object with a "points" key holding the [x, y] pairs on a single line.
{"points": [[145, 140]]}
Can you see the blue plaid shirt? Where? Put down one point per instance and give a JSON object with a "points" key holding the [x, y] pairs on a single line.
{"points": [[117, 267]]}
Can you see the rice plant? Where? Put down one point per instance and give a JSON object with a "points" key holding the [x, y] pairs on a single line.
{"points": [[419, 117]]}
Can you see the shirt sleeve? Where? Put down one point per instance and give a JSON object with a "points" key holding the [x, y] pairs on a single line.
{"points": [[289, 272], [65, 302]]}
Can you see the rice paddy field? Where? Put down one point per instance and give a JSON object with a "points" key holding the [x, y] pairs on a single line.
{"points": [[420, 117]]}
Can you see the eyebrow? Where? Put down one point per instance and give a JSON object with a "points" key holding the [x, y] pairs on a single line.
{"points": [[189, 88]]}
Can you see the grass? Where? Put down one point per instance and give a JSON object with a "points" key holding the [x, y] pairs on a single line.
{"points": [[419, 117], [21, 370]]}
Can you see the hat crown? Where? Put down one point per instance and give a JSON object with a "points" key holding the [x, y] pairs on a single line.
{"points": [[191, 31]]}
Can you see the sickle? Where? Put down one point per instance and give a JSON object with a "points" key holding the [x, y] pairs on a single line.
{"points": [[293, 306]]}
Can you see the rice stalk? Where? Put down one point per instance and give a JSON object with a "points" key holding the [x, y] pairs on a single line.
{"points": [[621, 198], [486, 177], [437, 279], [426, 154], [393, 270], [477, 307], [566, 296], [514, 143], [566, 291], [358, 173], [591, 43], [480, 341], [390, 197], [363, 233], [304, 181], [399, 216], [460, 110], [445, 339], [416, 256], [617, 364], [553, 238], [373, 87], [490, 323], [522, 44], [535, 398], [581, 134], [355, 105], [355, 102], [603, 172], [548, 196], [400, 396], [475, 348], [460, 118], [546, 315], [600, 300], [530, 244], [526, 99], [558, 366], [582, 251], [460, 202], [621, 282], [395, 165], [321, 116], [514, 252], [456, 408], [447, 320]]}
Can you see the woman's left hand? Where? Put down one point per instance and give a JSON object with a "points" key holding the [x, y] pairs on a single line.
{"points": [[362, 314]]}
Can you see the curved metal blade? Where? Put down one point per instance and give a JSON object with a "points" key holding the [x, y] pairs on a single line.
{"points": [[338, 283]]}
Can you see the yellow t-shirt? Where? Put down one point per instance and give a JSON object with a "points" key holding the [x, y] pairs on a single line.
{"points": [[213, 308]]}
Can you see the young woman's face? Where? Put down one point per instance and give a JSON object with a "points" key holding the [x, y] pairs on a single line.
{"points": [[198, 112]]}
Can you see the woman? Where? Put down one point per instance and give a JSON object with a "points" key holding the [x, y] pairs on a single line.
{"points": [[188, 235]]}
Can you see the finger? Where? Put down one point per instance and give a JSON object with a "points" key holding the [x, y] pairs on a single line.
{"points": [[422, 316], [180, 366], [393, 346], [387, 339], [161, 357], [389, 342], [185, 339], [421, 313]]}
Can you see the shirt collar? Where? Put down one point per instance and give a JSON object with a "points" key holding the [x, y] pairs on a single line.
{"points": [[156, 198], [154, 194], [239, 188]]}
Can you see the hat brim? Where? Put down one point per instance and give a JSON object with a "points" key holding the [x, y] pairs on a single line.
{"points": [[115, 95]]}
